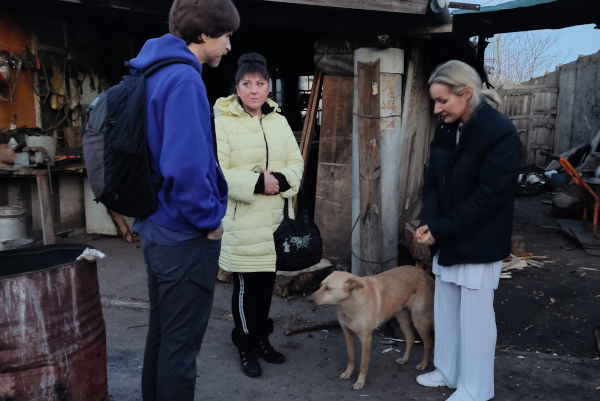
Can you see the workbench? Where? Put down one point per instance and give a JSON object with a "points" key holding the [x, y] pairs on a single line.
{"points": [[42, 177]]}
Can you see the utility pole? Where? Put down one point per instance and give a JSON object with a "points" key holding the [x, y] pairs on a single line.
{"points": [[499, 59]]}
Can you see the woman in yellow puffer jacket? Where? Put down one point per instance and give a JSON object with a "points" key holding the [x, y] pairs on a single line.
{"points": [[263, 166]]}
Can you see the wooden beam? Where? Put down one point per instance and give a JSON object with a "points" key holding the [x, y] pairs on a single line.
{"points": [[310, 120], [430, 29], [46, 207], [464, 6], [369, 126], [391, 6]]}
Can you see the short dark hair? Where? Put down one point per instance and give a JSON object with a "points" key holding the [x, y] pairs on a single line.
{"points": [[251, 63], [188, 19]]}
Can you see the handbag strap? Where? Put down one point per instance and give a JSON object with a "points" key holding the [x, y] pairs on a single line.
{"points": [[300, 204], [302, 211]]}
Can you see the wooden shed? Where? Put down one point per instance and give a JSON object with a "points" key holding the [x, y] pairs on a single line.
{"points": [[366, 141]]}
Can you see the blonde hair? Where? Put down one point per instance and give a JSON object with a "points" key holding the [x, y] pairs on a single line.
{"points": [[457, 76]]}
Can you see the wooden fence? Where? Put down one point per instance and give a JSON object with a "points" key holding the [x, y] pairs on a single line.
{"points": [[532, 108], [558, 111]]}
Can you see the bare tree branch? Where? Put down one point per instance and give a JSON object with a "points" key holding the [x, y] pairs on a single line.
{"points": [[523, 56]]}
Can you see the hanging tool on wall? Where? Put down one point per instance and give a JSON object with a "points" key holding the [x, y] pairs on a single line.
{"points": [[8, 63], [4, 71]]}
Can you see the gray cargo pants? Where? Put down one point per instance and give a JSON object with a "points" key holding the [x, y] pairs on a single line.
{"points": [[181, 283]]}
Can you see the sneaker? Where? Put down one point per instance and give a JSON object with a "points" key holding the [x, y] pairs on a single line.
{"points": [[460, 395], [432, 379], [266, 351], [250, 365]]}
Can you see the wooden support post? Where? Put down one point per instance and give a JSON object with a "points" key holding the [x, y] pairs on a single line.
{"points": [[369, 166], [333, 211], [46, 208], [377, 141], [310, 120], [308, 132]]}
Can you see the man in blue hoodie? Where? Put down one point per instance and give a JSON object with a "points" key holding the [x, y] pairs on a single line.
{"points": [[181, 241]]}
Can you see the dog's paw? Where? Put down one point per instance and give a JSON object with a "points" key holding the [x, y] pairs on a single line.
{"points": [[402, 361], [358, 385], [346, 375], [421, 366]]}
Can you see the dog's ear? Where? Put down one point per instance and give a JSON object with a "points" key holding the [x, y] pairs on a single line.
{"points": [[353, 283]]}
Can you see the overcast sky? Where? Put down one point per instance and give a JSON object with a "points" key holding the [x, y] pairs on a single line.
{"points": [[574, 41]]}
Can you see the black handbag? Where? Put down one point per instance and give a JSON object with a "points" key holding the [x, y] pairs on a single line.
{"points": [[297, 242]]}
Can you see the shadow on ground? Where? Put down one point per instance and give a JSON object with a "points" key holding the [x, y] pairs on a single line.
{"points": [[546, 346]]}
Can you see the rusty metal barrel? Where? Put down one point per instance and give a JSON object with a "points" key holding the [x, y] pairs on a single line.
{"points": [[52, 332]]}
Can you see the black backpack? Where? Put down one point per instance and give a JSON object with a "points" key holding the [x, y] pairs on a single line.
{"points": [[115, 146]]}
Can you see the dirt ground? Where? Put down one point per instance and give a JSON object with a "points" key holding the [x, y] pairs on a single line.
{"points": [[554, 308], [546, 318]]}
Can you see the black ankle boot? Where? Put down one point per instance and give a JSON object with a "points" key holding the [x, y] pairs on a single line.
{"points": [[266, 351], [250, 365]]}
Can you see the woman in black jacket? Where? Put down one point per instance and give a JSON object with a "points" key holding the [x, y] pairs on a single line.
{"points": [[468, 203]]}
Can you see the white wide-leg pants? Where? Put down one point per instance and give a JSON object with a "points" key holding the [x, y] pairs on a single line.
{"points": [[465, 335]]}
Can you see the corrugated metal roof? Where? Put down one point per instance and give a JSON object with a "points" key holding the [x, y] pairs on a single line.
{"points": [[505, 6], [526, 15]]}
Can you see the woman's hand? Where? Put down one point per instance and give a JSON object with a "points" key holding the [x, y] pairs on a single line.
{"points": [[271, 183], [424, 236]]}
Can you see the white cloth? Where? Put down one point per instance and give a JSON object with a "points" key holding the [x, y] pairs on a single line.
{"points": [[465, 326], [469, 274], [458, 133]]}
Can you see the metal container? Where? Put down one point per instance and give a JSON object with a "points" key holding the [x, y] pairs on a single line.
{"points": [[16, 243], [52, 333], [12, 223], [560, 180]]}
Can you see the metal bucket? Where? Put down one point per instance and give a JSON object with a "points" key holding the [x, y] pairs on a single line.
{"points": [[12, 223], [52, 333], [560, 180], [16, 243]]}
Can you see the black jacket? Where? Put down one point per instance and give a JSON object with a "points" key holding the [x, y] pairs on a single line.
{"points": [[468, 194]]}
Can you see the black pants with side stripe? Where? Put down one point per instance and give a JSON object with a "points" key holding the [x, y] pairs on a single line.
{"points": [[250, 304]]}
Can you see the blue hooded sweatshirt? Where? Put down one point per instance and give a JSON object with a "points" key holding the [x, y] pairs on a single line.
{"points": [[193, 196]]}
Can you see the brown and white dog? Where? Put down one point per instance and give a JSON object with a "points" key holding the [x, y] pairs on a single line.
{"points": [[364, 303]]}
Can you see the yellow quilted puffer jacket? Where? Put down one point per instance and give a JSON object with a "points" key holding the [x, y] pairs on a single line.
{"points": [[243, 143]]}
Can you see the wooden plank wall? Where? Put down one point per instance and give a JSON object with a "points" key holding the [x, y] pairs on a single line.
{"points": [[418, 125], [532, 108], [578, 119], [333, 201], [518, 108], [543, 122], [564, 113], [577, 102]]}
